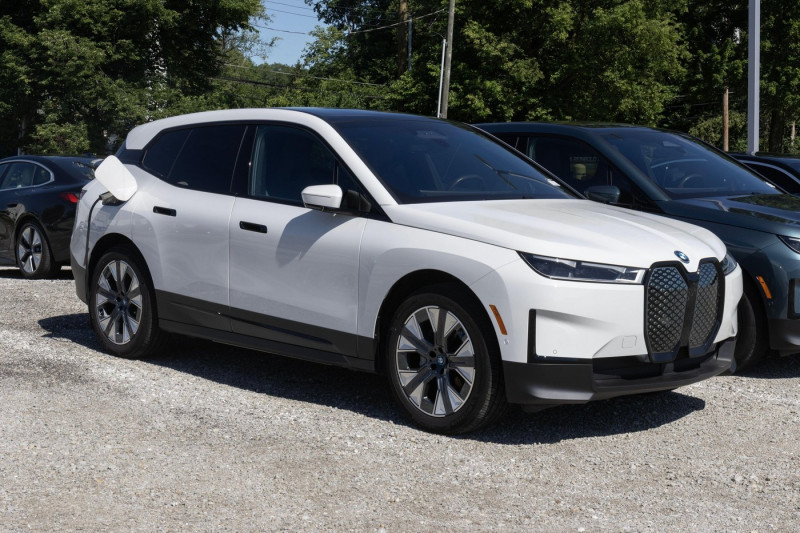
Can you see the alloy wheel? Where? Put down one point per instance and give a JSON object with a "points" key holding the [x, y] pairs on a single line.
{"points": [[435, 361], [29, 250], [118, 302]]}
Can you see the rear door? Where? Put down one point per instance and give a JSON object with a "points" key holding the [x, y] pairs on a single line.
{"points": [[181, 221]]}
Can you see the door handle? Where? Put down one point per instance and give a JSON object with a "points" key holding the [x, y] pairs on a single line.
{"points": [[250, 226], [164, 211]]}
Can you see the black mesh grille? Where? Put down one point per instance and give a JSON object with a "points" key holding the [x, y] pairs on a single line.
{"points": [[667, 296], [671, 294], [705, 309]]}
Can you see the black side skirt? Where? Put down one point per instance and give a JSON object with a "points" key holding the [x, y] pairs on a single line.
{"points": [[220, 323]]}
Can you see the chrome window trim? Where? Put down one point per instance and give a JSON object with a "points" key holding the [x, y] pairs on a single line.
{"points": [[51, 180]]}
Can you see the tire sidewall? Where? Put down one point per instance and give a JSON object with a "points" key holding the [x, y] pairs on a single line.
{"points": [[750, 344], [483, 393], [143, 340], [45, 267]]}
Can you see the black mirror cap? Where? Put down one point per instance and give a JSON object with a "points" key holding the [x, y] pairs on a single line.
{"points": [[607, 194]]}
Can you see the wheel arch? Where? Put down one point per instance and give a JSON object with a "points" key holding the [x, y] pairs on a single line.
{"points": [[402, 289], [107, 242]]}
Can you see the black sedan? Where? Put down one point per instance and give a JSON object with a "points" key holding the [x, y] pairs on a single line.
{"points": [[38, 197], [782, 170]]}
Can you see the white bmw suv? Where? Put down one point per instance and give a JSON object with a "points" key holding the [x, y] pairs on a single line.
{"points": [[411, 246]]}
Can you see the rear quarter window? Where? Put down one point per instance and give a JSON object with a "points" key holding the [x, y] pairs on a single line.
{"points": [[201, 158]]}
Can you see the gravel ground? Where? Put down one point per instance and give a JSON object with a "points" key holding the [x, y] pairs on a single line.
{"points": [[212, 438]]}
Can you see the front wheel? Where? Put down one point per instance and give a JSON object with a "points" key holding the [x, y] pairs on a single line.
{"points": [[122, 305], [443, 362]]}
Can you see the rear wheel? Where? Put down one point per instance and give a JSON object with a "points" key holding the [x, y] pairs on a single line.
{"points": [[34, 258], [122, 305], [751, 343], [443, 362]]}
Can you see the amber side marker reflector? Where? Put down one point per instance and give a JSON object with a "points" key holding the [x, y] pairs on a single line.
{"points": [[764, 287], [499, 319]]}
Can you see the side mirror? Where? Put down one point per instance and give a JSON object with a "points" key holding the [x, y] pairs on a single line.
{"points": [[117, 179], [607, 194], [322, 197]]}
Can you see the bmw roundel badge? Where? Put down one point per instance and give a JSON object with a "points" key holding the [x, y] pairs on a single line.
{"points": [[682, 256]]}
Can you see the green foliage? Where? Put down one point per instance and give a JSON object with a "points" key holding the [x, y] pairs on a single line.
{"points": [[54, 138], [91, 68], [75, 73]]}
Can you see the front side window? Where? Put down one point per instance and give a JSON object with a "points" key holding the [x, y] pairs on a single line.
{"points": [[286, 160], [425, 160], [201, 158], [573, 161]]}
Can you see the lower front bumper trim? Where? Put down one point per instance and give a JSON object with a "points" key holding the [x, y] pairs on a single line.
{"points": [[544, 383]]}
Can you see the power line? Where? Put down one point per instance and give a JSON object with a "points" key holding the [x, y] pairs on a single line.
{"points": [[295, 14], [348, 33], [396, 23], [305, 75], [282, 31]]}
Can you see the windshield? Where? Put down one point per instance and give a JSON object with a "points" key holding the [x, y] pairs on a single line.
{"points": [[685, 168], [427, 160]]}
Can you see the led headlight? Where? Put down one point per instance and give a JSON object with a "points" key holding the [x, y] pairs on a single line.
{"points": [[791, 242], [573, 270], [728, 264]]}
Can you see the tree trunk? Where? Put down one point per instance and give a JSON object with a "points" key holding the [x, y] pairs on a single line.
{"points": [[777, 123]]}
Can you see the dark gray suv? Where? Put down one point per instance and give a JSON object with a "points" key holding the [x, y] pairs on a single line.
{"points": [[682, 177]]}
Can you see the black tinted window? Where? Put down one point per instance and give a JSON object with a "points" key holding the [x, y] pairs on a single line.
{"points": [[207, 159], [425, 160], [40, 175], [286, 160], [19, 175], [685, 167], [776, 176], [162, 154]]}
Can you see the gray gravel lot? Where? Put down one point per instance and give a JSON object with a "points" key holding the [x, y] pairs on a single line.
{"points": [[212, 438]]}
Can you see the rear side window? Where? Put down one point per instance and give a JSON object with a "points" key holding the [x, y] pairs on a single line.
{"points": [[776, 176], [201, 159], [21, 174], [40, 175]]}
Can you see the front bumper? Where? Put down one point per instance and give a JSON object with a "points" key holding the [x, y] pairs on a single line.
{"points": [[546, 382], [784, 335], [79, 273]]}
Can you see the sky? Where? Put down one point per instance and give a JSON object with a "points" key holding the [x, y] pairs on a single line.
{"points": [[296, 20]]}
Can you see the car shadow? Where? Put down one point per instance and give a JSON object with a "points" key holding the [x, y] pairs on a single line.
{"points": [[368, 394], [13, 273], [774, 367]]}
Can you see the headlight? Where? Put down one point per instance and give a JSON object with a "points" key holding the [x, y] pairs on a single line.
{"points": [[791, 242], [728, 264], [572, 270]]}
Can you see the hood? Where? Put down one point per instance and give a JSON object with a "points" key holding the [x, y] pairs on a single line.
{"points": [[771, 213], [569, 229]]}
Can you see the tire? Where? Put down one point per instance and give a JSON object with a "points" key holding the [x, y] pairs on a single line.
{"points": [[439, 340], [34, 258], [122, 308], [751, 343]]}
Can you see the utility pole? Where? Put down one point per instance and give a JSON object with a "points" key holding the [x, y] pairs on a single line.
{"points": [[753, 75], [402, 35], [451, 13]]}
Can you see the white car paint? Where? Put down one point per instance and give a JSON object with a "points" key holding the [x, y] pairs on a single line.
{"points": [[334, 271]]}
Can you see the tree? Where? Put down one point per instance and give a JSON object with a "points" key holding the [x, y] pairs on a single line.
{"points": [[520, 59], [80, 69]]}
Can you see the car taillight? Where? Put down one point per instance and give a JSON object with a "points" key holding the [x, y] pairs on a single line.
{"points": [[71, 197]]}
